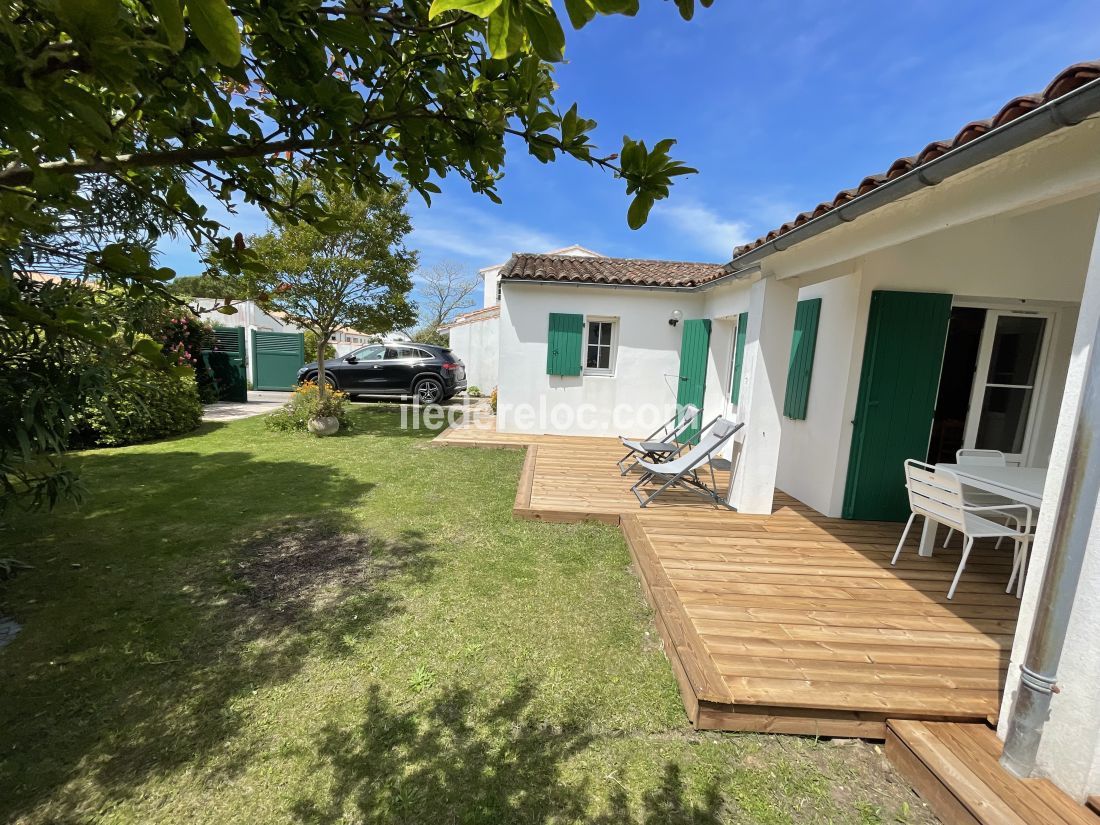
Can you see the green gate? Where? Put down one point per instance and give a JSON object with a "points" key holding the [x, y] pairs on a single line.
{"points": [[694, 350], [231, 377], [276, 359], [906, 334]]}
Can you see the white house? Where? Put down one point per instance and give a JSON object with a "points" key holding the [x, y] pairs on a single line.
{"points": [[950, 301], [475, 336]]}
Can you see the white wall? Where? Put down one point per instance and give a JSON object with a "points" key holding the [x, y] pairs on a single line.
{"points": [[646, 364], [490, 277], [477, 345], [810, 457], [1069, 752]]}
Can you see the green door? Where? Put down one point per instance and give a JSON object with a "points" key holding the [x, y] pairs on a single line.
{"points": [[694, 350], [906, 332], [233, 384], [276, 358]]}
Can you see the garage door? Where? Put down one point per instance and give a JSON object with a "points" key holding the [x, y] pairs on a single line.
{"points": [[276, 358]]}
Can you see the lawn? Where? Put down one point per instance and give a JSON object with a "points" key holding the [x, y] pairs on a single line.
{"points": [[248, 627]]}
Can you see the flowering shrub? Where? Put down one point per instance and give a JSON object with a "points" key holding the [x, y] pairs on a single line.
{"points": [[493, 400], [306, 404], [181, 337]]}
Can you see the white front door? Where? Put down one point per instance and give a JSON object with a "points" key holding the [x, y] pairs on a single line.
{"points": [[1007, 383]]}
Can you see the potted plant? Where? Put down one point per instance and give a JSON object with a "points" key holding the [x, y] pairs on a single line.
{"points": [[308, 410]]}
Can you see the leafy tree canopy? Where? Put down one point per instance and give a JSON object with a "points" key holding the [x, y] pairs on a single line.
{"points": [[356, 274], [206, 286]]}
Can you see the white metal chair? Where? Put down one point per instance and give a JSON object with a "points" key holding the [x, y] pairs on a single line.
{"points": [[979, 458], [662, 444], [937, 495]]}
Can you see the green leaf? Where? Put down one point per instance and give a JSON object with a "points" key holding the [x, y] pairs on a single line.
{"points": [[500, 35], [580, 12], [638, 212], [627, 7], [170, 14], [148, 349], [216, 28], [545, 32], [481, 8], [227, 310]]}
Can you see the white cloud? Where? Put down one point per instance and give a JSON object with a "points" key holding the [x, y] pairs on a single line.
{"points": [[712, 233], [478, 235]]}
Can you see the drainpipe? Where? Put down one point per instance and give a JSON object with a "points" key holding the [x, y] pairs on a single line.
{"points": [[1072, 524]]}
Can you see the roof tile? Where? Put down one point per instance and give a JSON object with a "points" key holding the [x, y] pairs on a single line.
{"points": [[612, 271], [1069, 79]]}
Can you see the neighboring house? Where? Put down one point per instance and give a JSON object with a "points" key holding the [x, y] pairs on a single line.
{"points": [[950, 301], [475, 336]]}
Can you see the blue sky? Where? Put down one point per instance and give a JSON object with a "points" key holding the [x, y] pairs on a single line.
{"points": [[778, 104]]}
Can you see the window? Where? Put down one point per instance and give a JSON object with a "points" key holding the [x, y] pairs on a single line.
{"points": [[599, 353], [371, 353]]}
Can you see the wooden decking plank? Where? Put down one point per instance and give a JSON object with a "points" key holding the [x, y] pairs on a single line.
{"points": [[790, 622], [948, 807], [954, 772]]}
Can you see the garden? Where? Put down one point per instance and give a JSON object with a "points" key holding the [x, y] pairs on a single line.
{"points": [[241, 625]]}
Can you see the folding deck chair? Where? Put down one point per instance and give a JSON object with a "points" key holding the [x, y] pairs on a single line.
{"points": [[683, 471], [660, 445]]}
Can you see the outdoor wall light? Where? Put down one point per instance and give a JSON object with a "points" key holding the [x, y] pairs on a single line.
{"points": [[675, 317]]}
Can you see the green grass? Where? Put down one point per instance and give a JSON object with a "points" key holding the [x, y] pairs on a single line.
{"points": [[435, 661]]}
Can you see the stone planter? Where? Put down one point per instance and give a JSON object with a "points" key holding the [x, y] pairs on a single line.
{"points": [[325, 425]]}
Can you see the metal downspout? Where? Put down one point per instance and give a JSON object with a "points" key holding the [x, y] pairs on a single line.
{"points": [[1072, 525]]}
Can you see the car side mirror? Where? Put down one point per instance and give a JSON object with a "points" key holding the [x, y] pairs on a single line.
{"points": [[351, 359]]}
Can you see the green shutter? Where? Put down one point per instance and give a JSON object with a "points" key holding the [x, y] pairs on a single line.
{"points": [[906, 334], [694, 350], [563, 344], [801, 366], [739, 356]]}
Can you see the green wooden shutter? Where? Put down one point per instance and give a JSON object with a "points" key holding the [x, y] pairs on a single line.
{"points": [[739, 356], [694, 350], [801, 366], [563, 344], [906, 334]]}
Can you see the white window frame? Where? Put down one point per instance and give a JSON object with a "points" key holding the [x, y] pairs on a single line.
{"points": [[981, 371], [612, 355]]}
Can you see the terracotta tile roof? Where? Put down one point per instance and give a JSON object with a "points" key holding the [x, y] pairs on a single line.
{"points": [[1066, 81], [471, 317], [611, 271]]}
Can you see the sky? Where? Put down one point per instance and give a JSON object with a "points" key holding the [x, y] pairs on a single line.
{"points": [[778, 104]]}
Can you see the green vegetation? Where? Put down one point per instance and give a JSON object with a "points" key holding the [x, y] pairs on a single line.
{"points": [[196, 649], [307, 403]]}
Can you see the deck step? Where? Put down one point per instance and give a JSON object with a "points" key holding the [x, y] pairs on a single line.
{"points": [[955, 770], [1094, 803]]}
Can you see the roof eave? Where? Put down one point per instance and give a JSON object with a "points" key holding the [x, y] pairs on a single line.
{"points": [[1067, 110]]}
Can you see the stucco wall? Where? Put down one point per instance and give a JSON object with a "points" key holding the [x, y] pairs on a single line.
{"points": [[477, 345], [1070, 749], [646, 366], [809, 454]]}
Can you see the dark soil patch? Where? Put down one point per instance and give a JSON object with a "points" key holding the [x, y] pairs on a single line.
{"points": [[288, 574]]}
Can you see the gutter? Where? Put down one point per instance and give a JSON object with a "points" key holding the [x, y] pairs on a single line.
{"points": [[1067, 110], [1061, 575], [745, 275]]}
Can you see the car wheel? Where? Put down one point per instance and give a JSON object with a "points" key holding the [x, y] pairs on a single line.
{"points": [[330, 385], [428, 391]]}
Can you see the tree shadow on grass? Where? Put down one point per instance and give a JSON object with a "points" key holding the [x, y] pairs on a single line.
{"points": [[451, 762], [157, 610]]}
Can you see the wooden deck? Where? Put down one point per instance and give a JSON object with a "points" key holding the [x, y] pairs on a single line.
{"points": [[793, 622], [954, 768]]}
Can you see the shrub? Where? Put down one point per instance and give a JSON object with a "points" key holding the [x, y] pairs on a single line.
{"points": [[473, 392], [138, 405], [181, 336], [493, 400], [306, 404], [310, 342]]}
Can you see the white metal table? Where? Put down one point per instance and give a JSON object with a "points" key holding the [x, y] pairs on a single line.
{"points": [[1022, 484]]}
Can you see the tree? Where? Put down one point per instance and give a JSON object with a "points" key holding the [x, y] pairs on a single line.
{"points": [[175, 104], [356, 274], [311, 345], [445, 291], [205, 286]]}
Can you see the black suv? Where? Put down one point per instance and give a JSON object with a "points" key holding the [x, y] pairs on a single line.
{"points": [[426, 372]]}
